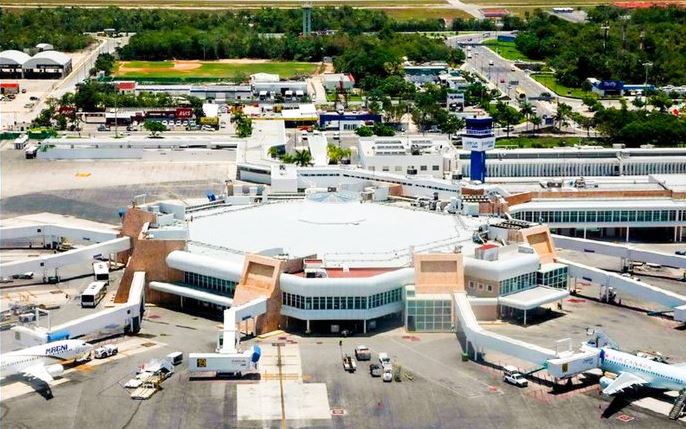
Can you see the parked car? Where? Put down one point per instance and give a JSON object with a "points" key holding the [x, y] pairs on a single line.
{"points": [[105, 351], [387, 374], [680, 252], [363, 353], [33, 98], [375, 370], [103, 128], [384, 360]]}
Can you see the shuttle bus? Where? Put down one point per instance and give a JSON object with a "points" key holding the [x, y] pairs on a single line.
{"points": [[101, 271], [521, 94], [93, 294]]}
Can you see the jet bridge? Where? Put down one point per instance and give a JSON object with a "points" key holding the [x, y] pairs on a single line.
{"points": [[560, 364], [624, 251], [122, 318], [229, 358], [635, 288]]}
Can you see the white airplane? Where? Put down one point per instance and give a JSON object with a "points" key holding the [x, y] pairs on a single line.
{"points": [[45, 361], [632, 370]]}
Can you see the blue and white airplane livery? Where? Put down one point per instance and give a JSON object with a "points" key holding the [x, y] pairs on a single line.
{"points": [[43, 362], [633, 370]]}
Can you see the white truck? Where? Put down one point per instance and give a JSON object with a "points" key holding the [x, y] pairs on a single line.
{"points": [[512, 375]]}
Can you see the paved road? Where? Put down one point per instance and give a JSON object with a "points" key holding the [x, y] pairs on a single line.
{"points": [[471, 9]]}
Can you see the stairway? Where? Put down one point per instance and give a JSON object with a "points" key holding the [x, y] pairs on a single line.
{"points": [[679, 405]]}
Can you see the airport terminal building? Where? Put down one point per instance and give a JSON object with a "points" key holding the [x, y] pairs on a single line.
{"points": [[332, 261]]}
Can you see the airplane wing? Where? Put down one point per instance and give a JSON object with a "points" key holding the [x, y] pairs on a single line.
{"points": [[38, 371], [625, 380]]}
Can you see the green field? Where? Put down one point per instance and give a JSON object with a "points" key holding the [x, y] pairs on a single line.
{"points": [[209, 69], [549, 81], [507, 50]]}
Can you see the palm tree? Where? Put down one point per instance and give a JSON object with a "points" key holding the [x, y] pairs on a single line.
{"points": [[527, 109], [562, 114], [536, 121], [302, 158]]}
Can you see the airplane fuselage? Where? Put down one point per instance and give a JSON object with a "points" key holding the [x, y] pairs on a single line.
{"points": [[658, 375], [58, 352]]}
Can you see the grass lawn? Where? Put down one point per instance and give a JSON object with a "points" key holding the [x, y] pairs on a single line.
{"points": [[549, 81], [407, 14], [507, 50], [209, 69], [547, 142]]}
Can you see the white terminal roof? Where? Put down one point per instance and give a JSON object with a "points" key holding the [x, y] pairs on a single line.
{"points": [[341, 230], [532, 298], [510, 263], [48, 58], [13, 57], [601, 204]]}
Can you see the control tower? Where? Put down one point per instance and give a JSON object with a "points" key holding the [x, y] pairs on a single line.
{"points": [[478, 137], [307, 18]]}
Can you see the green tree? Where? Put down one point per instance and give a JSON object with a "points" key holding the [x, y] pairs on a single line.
{"points": [[660, 101], [526, 109], [302, 158], [243, 124], [364, 131], [536, 121], [155, 127], [337, 154], [452, 124]]}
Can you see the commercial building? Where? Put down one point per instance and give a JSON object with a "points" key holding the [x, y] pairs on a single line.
{"points": [[268, 87], [400, 155], [421, 74], [347, 120]]}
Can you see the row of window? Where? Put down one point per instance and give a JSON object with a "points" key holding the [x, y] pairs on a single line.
{"points": [[367, 177], [479, 286], [556, 278], [341, 302], [517, 284], [399, 168], [601, 216], [584, 168], [211, 284]]}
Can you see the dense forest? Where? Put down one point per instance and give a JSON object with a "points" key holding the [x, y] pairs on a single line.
{"points": [[64, 27], [655, 35]]}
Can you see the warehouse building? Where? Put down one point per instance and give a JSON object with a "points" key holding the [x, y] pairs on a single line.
{"points": [[47, 65], [12, 64]]}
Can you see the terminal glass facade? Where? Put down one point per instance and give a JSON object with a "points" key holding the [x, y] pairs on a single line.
{"points": [[210, 284], [597, 216], [430, 313], [341, 302], [555, 277], [517, 284]]}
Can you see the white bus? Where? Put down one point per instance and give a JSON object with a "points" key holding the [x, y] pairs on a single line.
{"points": [[93, 294], [101, 271]]}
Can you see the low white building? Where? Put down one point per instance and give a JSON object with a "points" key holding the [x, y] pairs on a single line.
{"points": [[334, 81], [405, 155]]}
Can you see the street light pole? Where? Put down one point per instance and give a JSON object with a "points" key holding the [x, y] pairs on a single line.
{"points": [[605, 28]]}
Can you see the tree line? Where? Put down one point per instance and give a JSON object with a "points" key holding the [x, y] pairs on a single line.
{"points": [[612, 45], [65, 27]]}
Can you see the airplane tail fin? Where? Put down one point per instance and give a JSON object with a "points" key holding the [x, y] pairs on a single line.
{"points": [[598, 338]]}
